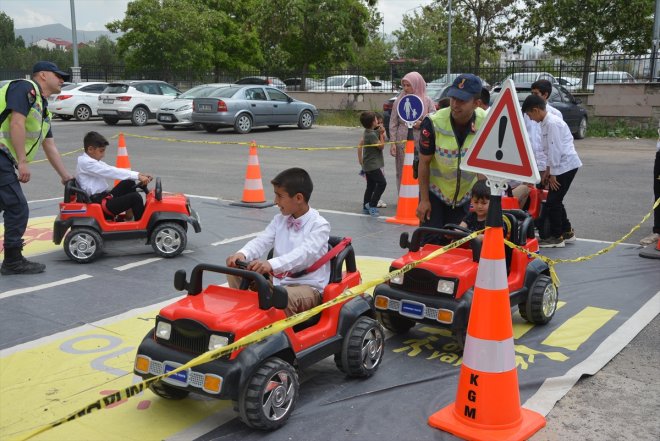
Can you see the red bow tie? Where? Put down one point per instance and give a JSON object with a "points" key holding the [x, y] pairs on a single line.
{"points": [[293, 223]]}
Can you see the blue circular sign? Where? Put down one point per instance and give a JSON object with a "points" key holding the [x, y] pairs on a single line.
{"points": [[410, 108]]}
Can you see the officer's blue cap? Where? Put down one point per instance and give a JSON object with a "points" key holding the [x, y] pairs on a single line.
{"points": [[465, 87], [49, 66]]}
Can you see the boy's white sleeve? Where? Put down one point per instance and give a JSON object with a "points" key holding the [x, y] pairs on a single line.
{"points": [[100, 168], [256, 248], [313, 247]]}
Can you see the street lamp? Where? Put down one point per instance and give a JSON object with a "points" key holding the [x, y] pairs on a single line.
{"points": [[449, 42], [75, 69]]}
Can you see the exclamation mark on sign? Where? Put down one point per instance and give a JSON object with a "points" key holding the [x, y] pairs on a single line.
{"points": [[503, 122]]}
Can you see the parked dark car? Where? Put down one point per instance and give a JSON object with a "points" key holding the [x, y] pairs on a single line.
{"points": [[561, 99], [263, 81]]}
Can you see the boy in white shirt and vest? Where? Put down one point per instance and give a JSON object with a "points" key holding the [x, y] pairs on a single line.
{"points": [[91, 175], [299, 238], [562, 165]]}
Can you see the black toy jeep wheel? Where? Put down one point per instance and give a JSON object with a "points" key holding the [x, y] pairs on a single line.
{"points": [[363, 347], [269, 396], [83, 245], [395, 322], [168, 392], [541, 303], [168, 239]]}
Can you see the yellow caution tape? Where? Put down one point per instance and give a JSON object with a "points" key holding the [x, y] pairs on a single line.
{"points": [[61, 154], [261, 146], [552, 262], [256, 336]]}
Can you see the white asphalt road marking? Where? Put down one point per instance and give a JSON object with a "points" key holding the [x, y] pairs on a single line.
{"points": [[44, 200], [15, 292], [138, 263], [234, 239]]}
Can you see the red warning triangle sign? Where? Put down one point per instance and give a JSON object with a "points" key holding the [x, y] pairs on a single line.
{"points": [[501, 147]]}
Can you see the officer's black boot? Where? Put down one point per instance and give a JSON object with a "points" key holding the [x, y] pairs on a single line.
{"points": [[15, 263]]}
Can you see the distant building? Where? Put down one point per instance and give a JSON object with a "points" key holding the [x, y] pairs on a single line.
{"points": [[56, 43]]}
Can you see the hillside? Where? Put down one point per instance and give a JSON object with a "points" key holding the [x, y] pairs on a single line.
{"points": [[32, 35]]}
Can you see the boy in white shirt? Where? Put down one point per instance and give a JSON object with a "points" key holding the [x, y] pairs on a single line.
{"points": [[561, 167], [91, 175], [299, 238]]}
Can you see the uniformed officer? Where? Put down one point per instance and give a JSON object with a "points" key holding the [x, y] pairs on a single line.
{"points": [[24, 125]]}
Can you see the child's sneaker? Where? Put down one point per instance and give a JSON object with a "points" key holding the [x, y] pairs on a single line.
{"points": [[552, 242], [381, 204], [373, 211], [365, 209], [569, 236]]}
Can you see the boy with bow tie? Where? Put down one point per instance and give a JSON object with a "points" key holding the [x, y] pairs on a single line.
{"points": [[299, 238]]}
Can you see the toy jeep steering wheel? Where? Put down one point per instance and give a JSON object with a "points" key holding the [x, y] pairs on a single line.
{"points": [[245, 283]]}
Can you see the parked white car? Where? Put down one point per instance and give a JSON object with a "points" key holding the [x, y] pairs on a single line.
{"points": [[79, 100], [530, 77], [345, 83], [609, 77], [178, 112], [135, 100]]}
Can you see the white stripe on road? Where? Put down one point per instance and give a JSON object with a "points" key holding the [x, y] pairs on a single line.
{"points": [[15, 292], [138, 263], [235, 239]]}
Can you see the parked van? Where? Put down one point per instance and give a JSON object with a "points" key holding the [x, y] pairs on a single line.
{"points": [[609, 77]]}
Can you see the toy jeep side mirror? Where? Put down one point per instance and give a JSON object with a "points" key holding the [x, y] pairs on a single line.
{"points": [[280, 297], [403, 240], [180, 280]]}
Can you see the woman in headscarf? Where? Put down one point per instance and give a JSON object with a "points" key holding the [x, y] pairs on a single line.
{"points": [[413, 84]]}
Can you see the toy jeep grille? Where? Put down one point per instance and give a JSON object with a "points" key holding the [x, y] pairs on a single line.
{"points": [[189, 336], [420, 281]]}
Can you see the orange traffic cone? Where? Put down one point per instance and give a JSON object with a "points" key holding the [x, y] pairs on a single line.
{"points": [[487, 405], [253, 190], [406, 209], [122, 155]]}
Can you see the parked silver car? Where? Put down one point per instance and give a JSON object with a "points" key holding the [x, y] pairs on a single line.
{"points": [[178, 112], [80, 100], [245, 107]]}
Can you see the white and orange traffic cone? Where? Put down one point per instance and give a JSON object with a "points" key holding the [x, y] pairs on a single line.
{"points": [[487, 405], [253, 189], [122, 155], [406, 209]]}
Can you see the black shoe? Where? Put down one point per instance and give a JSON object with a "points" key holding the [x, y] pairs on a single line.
{"points": [[552, 242], [22, 266]]}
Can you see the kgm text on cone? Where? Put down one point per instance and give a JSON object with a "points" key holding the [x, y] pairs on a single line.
{"points": [[253, 189], [487, 405], [406, 209], [122, 155]]}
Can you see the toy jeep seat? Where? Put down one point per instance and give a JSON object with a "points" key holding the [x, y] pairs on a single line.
{"points": [[73, 193]]}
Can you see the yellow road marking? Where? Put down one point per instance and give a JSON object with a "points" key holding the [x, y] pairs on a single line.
{"points": [[521, 326], [38, 237], [577, 329]]}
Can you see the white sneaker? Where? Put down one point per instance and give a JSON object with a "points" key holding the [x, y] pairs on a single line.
{"points": [[650, 239], [381, 204]]}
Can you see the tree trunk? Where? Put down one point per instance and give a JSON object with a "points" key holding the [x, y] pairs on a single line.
{"points": [[588, 54]]}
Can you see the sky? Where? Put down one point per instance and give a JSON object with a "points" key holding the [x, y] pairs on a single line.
{"points": [[92, 15]]}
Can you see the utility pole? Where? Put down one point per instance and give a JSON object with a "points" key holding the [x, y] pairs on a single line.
{"points": [[75, 69], [656, 42], [449, 42]]}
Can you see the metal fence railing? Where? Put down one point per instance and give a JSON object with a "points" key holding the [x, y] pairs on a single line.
{"points": [[574, 75]]}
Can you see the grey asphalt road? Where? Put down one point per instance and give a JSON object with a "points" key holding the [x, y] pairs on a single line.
{"points": [[611, 193]]}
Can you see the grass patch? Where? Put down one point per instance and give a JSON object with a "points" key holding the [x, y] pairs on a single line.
{"points": [[345, 118], [619, 129]]}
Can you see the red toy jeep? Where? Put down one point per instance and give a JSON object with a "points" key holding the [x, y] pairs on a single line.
{"points": [[439, 291], [262, 378], [164, 223]]}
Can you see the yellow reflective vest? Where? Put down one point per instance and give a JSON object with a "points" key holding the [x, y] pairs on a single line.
{"points": [[449, 183], [36, 124]]}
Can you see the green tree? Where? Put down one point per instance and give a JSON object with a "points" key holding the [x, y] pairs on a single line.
{"points": [[102, 52], [490, 20], [180, 35], [303, 34], [6, 31], [583, 28]]}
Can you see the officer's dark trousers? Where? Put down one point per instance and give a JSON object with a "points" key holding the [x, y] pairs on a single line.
{"points": [[13, 204]]}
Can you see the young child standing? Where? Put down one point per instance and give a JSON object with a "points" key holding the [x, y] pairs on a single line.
{"points": [[299, 238], [91, 175], [480, 200], [370, 156], [561, 167]]}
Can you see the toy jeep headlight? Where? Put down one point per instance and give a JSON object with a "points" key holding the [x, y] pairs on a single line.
{"points": [[217, 341], [446, 286], [164, 330], [397, 280]]}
